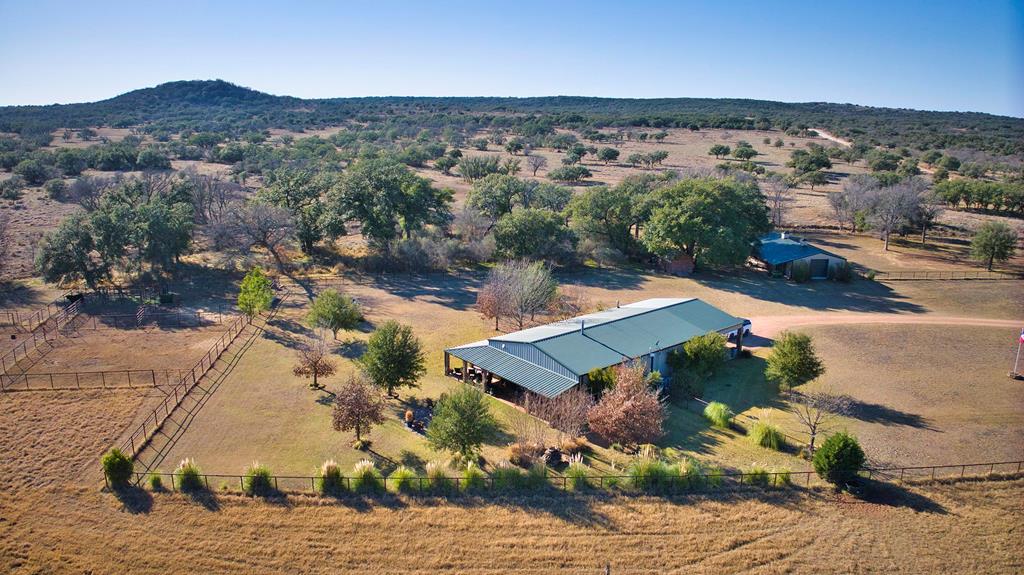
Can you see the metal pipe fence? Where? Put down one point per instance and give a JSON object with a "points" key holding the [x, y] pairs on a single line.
{"points": [[106, 379], [175, 319], [20, 352], [905, 275], [141, 436], [656, 484]]}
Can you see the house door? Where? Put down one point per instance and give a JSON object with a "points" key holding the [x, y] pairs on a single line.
{"points": [[819, 268]]}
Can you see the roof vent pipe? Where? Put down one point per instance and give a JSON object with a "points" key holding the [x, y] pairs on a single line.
{"points": [[616, 303], [582, 323]]}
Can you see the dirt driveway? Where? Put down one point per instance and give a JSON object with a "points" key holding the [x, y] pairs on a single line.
{"points": [[765, 328]]}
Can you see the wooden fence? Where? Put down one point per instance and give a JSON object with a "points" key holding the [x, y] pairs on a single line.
{"points": [[109, 379], [942, 275], [638, 484]]}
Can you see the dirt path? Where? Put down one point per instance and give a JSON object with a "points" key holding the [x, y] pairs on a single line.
{"points": [[767, 327], [833, 137]]}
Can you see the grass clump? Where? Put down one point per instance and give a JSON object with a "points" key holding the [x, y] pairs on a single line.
{"points": [[718, 414], [403, 480], [257, 480], [766, 435], [473, 478], [536, 477], [189, 475], [437, 477], [713, 476], [652, 474], [156, 483], [691, 474], [577, 475], [117, 467], [329, 480], [757, 476], [506, 477], [366, 478]]}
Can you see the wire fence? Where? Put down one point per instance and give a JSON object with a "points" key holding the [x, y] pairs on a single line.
{"points": [[626, 483], [904, 275], [107, 379]]}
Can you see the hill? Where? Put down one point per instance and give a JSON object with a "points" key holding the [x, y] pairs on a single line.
{"points": [[217, 105]]}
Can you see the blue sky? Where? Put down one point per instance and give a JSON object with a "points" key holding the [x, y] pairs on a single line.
{"points": [[938, 55]]}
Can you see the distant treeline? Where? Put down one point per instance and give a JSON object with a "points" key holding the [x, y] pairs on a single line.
{"points": [[204, 106]]}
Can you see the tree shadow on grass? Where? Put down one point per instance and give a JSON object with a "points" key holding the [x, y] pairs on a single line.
{"points": [[860, 295], [351, 348], [450, 290], [884, 415], [605, 278], [894, 495], [134, 499]]}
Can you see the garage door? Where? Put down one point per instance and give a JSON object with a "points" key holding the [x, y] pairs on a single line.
{"points": [[819, 268]]}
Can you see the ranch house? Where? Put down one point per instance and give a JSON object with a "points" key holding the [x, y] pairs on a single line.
{"points": [[779, 251], [554, 358]]}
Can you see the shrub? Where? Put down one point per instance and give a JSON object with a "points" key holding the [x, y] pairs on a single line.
{"points": [[257, 481], [718, 414], [782, 477], [800, 272], [437, 477], [839, 459], [841, 272], [473, 478], [577, 475], [156, 483], [403, 480], [189, 476], [366, 478], [766, 435], [757, 476], [871, 275], [651, 474], [506, 477], [118, 467], [329, 479], [55, 188]]}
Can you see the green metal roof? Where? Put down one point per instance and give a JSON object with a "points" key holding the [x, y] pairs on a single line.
{"points": [[594, 341], [511, 368]]}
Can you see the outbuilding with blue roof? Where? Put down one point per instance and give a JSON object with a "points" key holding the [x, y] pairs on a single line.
{"points": [[779, 251]]}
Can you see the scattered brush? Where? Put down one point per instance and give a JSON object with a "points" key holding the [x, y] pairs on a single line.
{"points": [[652, 474]]}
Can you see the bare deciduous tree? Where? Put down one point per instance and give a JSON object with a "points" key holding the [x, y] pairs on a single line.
{"points": [[855, 197], [778, 193], [256, 224], [210, 195], [894, 206], [518, 290], [87, 190], [567, 413], [314, 361], [536, 162], [817, 411]]}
